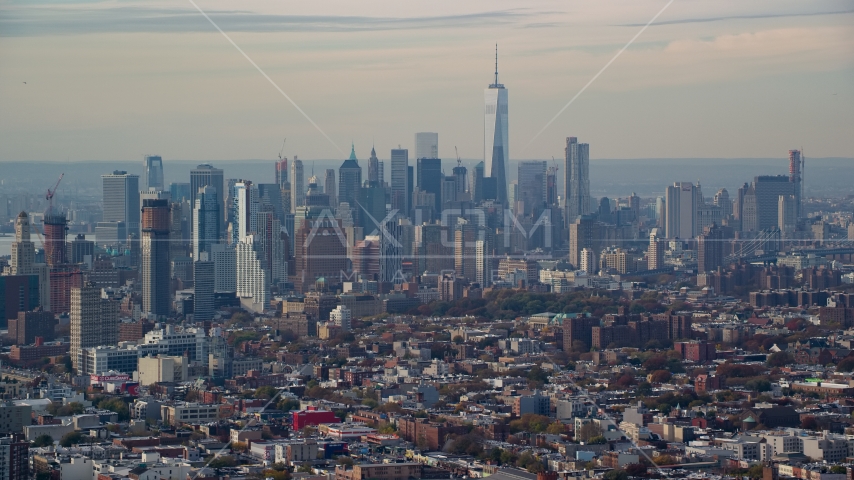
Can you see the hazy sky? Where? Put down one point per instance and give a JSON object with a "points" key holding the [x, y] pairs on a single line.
{"points": [[113, 80]]}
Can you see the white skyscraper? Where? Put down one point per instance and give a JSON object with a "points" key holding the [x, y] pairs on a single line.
{"points": [[121, 199], [253, 280], [426, 145], [496, 156], [246, 204]]}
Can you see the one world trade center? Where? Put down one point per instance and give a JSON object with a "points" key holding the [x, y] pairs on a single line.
{"points": [[495, 146]]}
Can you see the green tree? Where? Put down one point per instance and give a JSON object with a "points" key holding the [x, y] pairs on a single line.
{"points": [[117, 405], [266, 392], [71, 438], [223, 461], [780, 359], [346, 461], [616, 474], [43, 441]]}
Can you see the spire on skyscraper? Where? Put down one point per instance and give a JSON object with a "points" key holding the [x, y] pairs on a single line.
{"points": [[496, 64], [353, 152]]}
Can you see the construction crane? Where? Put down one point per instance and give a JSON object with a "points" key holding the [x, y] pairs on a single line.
{"points": [[283, 148], [51, 193], [458, 156]]}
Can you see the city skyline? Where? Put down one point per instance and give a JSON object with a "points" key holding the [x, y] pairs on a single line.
{"points": [[763, 61]]}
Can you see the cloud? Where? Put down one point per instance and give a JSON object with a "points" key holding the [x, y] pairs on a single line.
{"points": [[737, 17], [85, 20]]}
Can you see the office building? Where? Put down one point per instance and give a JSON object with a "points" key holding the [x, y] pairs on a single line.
{"points": [[204, 285], [400, 198], [496, 153], [121, 199], [297, 184], [787, 215], [374, 174], [426, 145], [282, 172], [532, 186], [681, 211], [81, 249], [153, 165], [207, 219], [94, 322], [23, 258], [330, 188], [461, 179], [155, 273], [23, 261], [710, 249], [179, 192], [477, 183], [206, 175], [224, 257], [350, 180], [430, 180], [577, 179]]}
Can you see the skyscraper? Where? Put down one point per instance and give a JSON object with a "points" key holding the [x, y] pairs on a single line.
{"points": [[204, 175], [430, 179], [246, 203], [121, 199], [374, 168], [400, 180], [23, 261], [583, 233], [655, 252], [153, 172], [23, 250], [577, 181], [155, 272], [710, 249], [496, 153], [204, 282], [460, 176], [297, 185], [349, 179], [330, 188], [532, 185], [282, 172], [253, 280], [94, 322], [477, 183], [680, 211], [207, 219], [796, 163], [426, 145]]}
